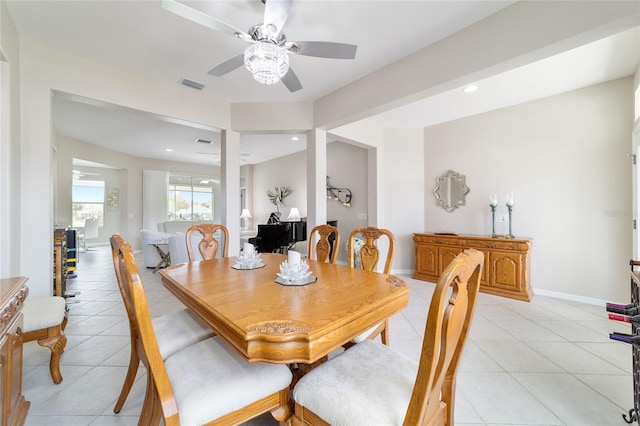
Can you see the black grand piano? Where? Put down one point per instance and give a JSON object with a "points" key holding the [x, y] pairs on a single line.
{"points": [[279, 237], [282, 236]]}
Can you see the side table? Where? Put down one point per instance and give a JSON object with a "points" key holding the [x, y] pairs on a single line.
{"points": [[165, 256]]}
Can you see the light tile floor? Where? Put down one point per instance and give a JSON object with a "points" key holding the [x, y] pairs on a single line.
{"points": [[547, 362]]}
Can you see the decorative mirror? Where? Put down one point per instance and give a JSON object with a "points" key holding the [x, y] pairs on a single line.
{"points": [[451, 190]]}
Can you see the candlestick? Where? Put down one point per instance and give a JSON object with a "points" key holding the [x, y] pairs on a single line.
{"points": [[493, 221], [510, 208]]}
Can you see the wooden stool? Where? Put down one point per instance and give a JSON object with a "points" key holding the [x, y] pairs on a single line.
{"points": [[45, 320]]}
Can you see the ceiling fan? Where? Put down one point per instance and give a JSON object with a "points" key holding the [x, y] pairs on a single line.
{"points": [[77, 174], [267, 57]]}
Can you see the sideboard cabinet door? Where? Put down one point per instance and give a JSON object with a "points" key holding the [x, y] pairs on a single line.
{"points": [[427, 259], [446, 256], [13, 292], [506, 271]]}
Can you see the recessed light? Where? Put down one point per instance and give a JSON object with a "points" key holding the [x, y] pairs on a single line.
{"points": [[169, 150], [295, 138], [470, 88]]}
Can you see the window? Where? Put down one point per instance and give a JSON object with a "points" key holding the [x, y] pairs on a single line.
{"points": [[87, 197], [190, 198]]}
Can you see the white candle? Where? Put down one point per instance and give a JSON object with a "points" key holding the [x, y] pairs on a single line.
{"points": [[248, 248], [493, 200], [294, 258]]}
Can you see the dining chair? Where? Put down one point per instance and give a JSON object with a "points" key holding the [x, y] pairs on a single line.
{"points": [[368, 255], [371, 383], [175, 330], [89, 232], [208, 245], [323, 248], [205, 383]]}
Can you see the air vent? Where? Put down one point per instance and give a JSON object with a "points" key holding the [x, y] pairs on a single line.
{"points": [[193, 84], [204, 141]]}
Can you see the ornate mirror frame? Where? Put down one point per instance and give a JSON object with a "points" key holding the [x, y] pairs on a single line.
{"points": [[451, 190]]}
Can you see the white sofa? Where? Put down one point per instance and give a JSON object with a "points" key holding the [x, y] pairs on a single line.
{"points": [[173, 226]]}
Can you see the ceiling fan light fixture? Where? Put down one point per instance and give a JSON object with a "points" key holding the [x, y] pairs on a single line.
{"points": [[266, 61]]}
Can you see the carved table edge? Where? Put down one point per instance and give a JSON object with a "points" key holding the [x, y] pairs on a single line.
{"points": [[395, 281], [279, 327]]}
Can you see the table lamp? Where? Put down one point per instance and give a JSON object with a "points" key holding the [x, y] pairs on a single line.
{"points": [[294, 215], [245, 216]]}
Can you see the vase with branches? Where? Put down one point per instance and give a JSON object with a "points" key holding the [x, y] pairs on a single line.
{"points": [[278, 195]]}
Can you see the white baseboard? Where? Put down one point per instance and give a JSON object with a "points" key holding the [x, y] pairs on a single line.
{"points": [[567, 296]]}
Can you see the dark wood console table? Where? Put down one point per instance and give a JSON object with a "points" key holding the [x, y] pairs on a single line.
{"points": [[13, 406], [506, 261]]}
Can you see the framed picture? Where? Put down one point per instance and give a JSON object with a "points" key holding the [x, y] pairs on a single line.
{"points": [[113, 200]]}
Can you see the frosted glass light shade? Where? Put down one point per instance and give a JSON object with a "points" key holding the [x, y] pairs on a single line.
{"points": [[266, 61]]}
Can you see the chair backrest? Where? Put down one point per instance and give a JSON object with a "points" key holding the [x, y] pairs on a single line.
{"points": [[145, 338], [90, 228], [324, 245], [116, 243], [208, 246], [369, 253], [450, 313]]}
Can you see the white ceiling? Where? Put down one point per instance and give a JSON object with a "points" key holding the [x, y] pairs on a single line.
{"points": [[141, 37]]}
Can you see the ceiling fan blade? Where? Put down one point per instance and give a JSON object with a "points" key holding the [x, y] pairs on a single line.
{"points": [[228, 66], [323, 49], [276, 12], [201, 18], [290, 79]]}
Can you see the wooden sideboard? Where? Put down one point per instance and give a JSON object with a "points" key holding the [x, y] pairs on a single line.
{"points": [[506, 261], [13, 406]]}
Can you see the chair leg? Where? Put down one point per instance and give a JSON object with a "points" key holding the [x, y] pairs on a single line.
{"points": [[134, 363], [385, 333], [282, 412], [56, 343]]}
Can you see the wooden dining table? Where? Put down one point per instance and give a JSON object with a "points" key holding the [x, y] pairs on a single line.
{"points": [[267, 321]]}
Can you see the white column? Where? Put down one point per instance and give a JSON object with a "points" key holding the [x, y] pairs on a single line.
{"points": [[230, 185], [316, 178]]}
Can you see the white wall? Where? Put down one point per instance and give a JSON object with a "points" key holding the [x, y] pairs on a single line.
{"points": [[290, 171], [404, 192], [10, 241], [347, 168], [154, 198], [566, 159], [43, 69]]}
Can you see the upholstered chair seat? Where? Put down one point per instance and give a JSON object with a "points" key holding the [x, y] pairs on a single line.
{"points": [[210, 380], [177, 330], [44, 321], [372, 380]]}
